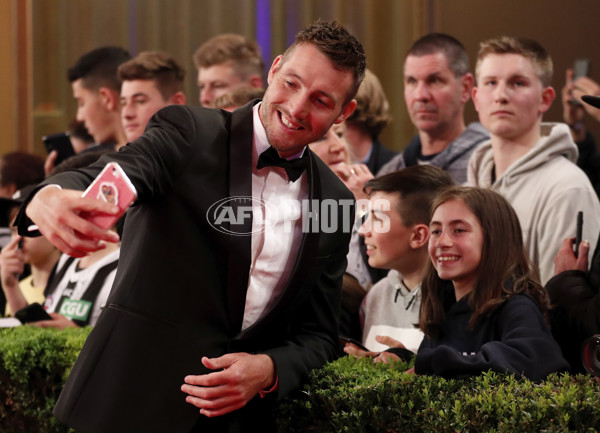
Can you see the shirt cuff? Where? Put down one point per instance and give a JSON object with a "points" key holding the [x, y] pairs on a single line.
{"points": [[54, 185], [263, 393]]}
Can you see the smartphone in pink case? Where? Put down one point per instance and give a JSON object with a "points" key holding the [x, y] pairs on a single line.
{"points": [[113, 186]]}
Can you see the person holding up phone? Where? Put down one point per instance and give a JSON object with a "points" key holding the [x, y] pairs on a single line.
{"points": [[575, 298], [73, 291], [38, 253], [575, 113]]}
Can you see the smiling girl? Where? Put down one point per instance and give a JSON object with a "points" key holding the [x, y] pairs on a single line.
{"points": [[482, 307]]}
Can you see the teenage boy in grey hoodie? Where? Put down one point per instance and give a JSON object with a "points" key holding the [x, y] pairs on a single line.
{"points": [[532, 164]]}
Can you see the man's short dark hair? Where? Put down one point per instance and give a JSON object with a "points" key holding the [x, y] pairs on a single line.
{"points": [[98, 68], [157, 66], [416, 186], [343, 49], [450, 47]]}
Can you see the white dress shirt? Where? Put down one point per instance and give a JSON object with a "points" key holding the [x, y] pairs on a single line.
{"points": [[274, 250]]}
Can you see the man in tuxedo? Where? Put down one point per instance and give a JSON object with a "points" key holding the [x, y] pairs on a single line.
{"points": [[214, 316]]}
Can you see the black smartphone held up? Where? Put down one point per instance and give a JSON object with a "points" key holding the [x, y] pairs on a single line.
{"points": [[32, 313], [578, 232], [344, 340], [61, 143]]}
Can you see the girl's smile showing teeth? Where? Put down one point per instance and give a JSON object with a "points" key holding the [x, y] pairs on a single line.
{"points": [[447, 258], [456, 244]]}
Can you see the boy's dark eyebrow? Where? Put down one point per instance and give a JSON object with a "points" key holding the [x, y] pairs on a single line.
{"points": [[376, 209], [135, 95]]}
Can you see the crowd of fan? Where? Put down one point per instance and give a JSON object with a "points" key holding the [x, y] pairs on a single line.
{"points": [[476, 268]]}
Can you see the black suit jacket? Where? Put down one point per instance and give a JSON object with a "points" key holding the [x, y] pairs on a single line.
{"points": [[180, 289]]}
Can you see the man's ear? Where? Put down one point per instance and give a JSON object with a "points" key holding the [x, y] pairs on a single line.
{"points": [[474, 95], [548, 95], [274, 68], [419, 236], [346, 112], [178, 99], [109, 99], [467, 83]]}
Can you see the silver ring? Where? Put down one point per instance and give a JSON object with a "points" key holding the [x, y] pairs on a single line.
{"points": [[352, 171]]}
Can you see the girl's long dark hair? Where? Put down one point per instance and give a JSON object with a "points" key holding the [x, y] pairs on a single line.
{"points": [[504, 270]]}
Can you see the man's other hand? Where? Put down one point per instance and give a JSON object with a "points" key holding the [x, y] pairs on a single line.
{"points": [[237, 379]]}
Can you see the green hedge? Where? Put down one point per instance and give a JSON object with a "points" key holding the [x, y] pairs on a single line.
{"points": [[351, 395], [347, 395], [34, 364]]}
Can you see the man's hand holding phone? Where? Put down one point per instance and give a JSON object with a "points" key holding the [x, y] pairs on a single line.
{"points": [[565, 259], [573, 253], [58, 215], [79, 224], [111, 186]]}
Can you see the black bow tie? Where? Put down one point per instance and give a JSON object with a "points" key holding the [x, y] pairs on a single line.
{"points": [[293, 168]]}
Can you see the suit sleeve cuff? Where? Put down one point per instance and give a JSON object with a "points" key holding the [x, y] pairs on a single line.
{"points": [[25, 226]]}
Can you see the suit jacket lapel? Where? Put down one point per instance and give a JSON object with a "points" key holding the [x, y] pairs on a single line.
{"points": [[240, 190], [310, 239]]}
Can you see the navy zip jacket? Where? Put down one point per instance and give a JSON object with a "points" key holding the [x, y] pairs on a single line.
{"points": [[514, 339]]}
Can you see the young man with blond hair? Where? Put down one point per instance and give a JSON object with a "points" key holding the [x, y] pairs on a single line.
{"points": [[226, 62], [529, 162], [151, 81]]}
